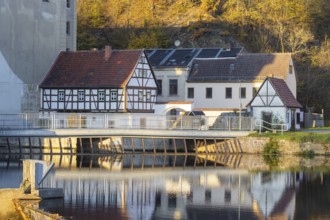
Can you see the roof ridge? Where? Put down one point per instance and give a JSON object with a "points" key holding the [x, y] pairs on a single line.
{"points": [[255, 54]]}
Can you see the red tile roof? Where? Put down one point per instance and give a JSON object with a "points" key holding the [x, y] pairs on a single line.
{"points": [[285, 93], [91, 69]]}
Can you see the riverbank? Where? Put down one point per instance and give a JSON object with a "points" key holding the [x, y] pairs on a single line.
{"points": [[7, 210], [288, 143]]}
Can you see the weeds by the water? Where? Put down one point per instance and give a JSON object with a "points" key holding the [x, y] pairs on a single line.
{"points": [[308, 154], [271, 153]]}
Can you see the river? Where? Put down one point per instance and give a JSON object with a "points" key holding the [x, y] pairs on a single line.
{"points": [[181, 187]]}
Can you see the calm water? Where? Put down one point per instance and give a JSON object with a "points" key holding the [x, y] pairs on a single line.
{"points": [[181, 187]]}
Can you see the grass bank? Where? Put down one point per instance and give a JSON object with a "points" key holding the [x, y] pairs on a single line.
{"points": [[299, 136]]}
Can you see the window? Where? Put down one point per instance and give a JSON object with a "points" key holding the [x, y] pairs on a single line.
{"points": [[190, 93], [298, 117], [228, 93], [173, 87], [142, 73], [160, 87], [113, 96], [148, 96], [61, 96], [45, 0], [68, 3], [140, 95], [254, 91], [243, 93], [68, 28], [101, 96], [208, 93], [81, 96], [290, 69], [208, 195]]}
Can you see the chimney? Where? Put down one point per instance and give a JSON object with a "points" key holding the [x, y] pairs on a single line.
{"points": [[107, 52]]}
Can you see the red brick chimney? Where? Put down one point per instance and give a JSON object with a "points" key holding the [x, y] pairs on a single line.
{"points": [[107, 52]]}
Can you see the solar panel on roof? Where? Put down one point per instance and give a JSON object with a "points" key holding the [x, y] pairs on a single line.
{"points": [[181, 57], [157, 57], [208, 53], [230, 52]]}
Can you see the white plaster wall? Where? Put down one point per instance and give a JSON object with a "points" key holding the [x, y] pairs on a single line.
{"points": [[11, 88], [218, 99], [280, 112], [165, 75]]}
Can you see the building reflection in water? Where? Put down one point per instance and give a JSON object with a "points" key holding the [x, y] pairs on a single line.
{"points": [[166, 187]]}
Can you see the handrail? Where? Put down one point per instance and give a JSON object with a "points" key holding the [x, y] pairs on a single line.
{"points": [[259, 123]]}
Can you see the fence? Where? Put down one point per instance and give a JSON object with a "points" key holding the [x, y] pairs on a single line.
{"points": [[123, 121]]}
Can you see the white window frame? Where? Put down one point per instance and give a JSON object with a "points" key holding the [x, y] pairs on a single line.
{"points": [[140, 95], [81, 96], [148, 96], [113, 96], [101, 96], [61, 96]]}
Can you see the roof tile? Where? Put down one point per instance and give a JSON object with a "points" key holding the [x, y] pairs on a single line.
{"points": [[246, 66], [92, 69]]}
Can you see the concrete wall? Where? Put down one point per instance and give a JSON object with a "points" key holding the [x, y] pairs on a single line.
{"points": [[32, 33], [11, 88]]}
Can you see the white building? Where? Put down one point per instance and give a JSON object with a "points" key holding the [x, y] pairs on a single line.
{"points": [[275, 104], [32, 33], [171, 68], [228, 84]]}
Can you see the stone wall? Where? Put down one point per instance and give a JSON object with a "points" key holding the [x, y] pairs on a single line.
{"points": [[255, 145]]}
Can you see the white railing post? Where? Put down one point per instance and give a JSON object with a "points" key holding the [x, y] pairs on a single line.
{"points": [[53, 121]]}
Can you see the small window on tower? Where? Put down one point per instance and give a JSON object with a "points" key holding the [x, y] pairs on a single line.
{"points": [[68, 28]]}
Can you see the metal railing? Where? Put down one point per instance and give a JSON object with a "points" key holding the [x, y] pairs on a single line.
{"points": [[261, 124], [123, 121]]}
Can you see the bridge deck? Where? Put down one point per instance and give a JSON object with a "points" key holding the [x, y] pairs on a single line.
{"points": [[124, 132]]}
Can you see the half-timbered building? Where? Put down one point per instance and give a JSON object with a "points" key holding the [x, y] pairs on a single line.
{"points": [[275, 104], [100, 81]]}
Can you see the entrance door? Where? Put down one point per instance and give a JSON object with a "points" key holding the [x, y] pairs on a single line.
{"points": [[266, 120]]}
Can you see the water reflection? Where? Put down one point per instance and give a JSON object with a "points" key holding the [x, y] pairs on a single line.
{"points": [[178, 194], [177, 187]]}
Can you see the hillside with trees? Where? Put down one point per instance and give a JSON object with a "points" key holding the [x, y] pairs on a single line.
{"points": [[299, 27]]}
